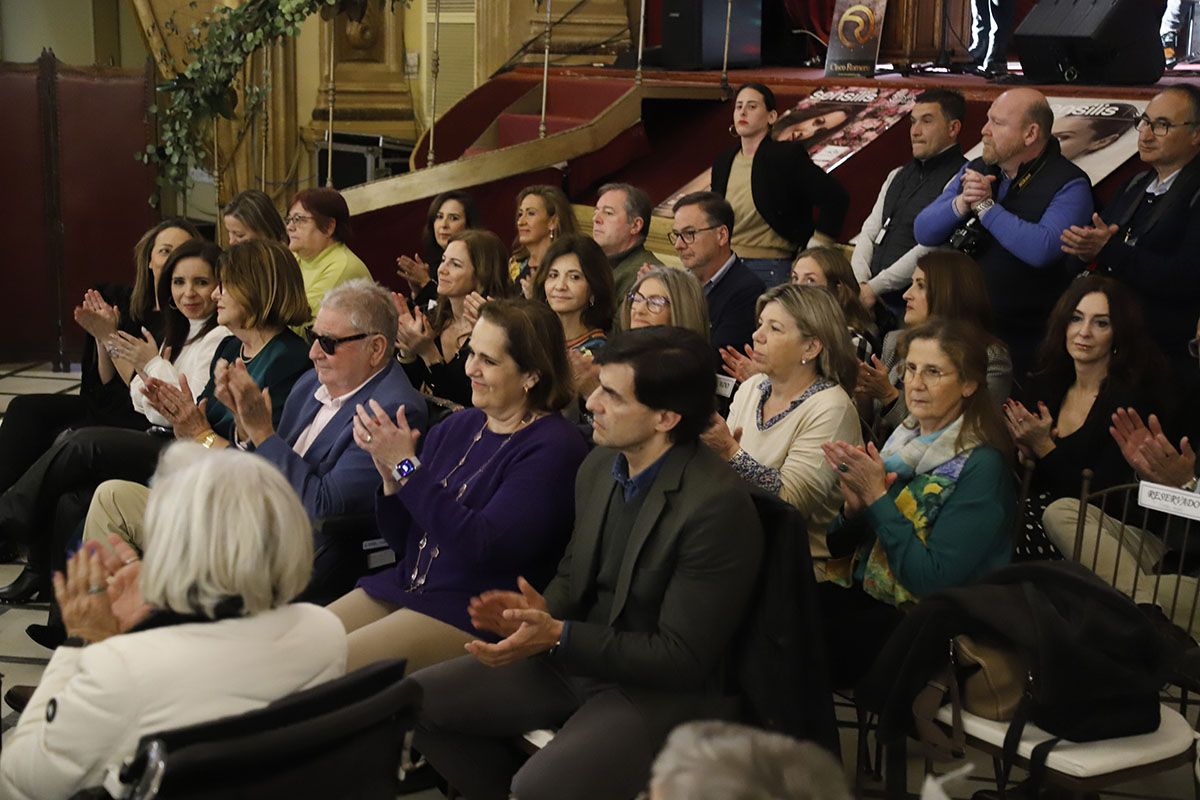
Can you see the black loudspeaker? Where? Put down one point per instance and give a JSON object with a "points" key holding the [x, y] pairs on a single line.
{"points": [[1092, 41], [693, 34]]}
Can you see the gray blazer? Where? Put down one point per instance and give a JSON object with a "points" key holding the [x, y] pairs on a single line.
{"points": [[690, 566]]}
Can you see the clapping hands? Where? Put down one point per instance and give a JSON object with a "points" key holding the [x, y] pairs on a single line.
{"points": [[96, 316]]}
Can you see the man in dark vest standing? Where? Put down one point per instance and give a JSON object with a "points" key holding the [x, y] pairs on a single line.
{"points": [[887, 251], [1149, 235], [1008, 209]]}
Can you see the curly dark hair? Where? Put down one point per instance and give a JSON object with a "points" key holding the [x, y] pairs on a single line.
{"points": [[1135, 358]]}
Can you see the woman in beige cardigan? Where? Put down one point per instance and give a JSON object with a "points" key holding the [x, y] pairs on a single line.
{"points": [[798, 400]]}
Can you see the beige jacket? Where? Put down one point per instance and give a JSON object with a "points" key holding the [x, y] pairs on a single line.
{"points": [[94, 703]]}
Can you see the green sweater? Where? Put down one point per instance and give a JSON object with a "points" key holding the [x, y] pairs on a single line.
{"points": [[625, 268], [275, 368], [971, 536]]}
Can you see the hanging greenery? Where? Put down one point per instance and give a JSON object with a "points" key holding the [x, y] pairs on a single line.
{"points": [[217, 49]]}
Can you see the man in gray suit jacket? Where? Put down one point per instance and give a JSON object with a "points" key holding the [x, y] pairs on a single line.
{"points": [[632, 636]]}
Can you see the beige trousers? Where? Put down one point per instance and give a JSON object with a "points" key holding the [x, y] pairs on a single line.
{"points": [[376, 631], [117, 507], [1125, 557]]}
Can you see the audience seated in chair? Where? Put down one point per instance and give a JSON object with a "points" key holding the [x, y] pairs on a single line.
{"points": [[1147, 236], [543, 214], [318, 229], [313, 447], [945, 284], [251, 214], [1135, 571], [714, 760], [1095, 359], [34, 421], [620, 225], [199, 629], [490, 498], [664, 296], [430, 346], [826, 267], [701, 234], [576, 282], [932, 509], [450, 213], [800, 400], [633, 635], [259, 292], [190, 335]]}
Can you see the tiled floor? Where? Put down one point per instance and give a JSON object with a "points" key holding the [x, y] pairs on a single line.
{"points": [[22, 661], [17, 379]]}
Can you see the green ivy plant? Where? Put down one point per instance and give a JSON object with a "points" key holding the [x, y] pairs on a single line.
{"points": [[217, 48]]}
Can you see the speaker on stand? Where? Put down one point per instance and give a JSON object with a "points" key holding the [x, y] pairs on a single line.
{"points": [[1092, 41]]}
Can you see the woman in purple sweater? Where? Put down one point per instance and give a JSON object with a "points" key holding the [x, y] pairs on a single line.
{"points": [[491, 498]]}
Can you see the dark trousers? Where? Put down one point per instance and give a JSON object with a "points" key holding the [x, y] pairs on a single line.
{"points": [[45, 507], [31, 423], [991, 31], [474, 715], [856, 628]]}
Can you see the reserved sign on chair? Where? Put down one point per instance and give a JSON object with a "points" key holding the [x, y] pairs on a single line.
{"points": [[1169, 499]]}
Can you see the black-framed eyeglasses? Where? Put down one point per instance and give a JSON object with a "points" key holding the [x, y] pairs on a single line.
{"points": [[1194, 348], [330, 343], [689, 235], [296, 219], [655, 302], [1161, 127]]}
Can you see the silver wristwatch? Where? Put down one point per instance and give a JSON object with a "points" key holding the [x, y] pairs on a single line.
{"points": [[982, 206]]}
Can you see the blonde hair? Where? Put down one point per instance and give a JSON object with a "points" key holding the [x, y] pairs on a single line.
{"points": [[224, 530], [817, 314], [840, 280], [265, 278], [688, 307]]}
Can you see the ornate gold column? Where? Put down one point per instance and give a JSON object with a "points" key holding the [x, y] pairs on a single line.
{"points": [[372, 90], [241, 140]]}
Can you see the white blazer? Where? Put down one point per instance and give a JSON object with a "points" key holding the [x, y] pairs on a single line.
{"points": [[94, 703]]}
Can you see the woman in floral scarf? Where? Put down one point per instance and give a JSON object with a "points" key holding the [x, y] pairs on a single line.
{"points": [[933, 509]]}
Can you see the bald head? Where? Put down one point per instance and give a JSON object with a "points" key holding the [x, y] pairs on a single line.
{"points": [[1018, 128], [1033, 109]]}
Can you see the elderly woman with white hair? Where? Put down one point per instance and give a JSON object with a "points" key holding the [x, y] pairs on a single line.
{"points": [[714, 760], [200, 629]]}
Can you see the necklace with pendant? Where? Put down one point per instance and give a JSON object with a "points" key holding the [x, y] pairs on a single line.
{"points": [[418, 577]]}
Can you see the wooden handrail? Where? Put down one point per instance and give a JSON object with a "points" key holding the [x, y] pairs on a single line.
{"points": [[520, 158]]}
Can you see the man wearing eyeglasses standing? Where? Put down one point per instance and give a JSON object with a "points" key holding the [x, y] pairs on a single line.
{"points": [[1149, 235], [701, 235]]}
